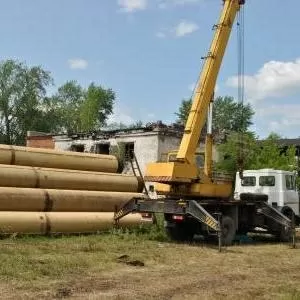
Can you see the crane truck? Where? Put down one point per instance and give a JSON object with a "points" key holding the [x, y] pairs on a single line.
{"points": [[191, 199]]}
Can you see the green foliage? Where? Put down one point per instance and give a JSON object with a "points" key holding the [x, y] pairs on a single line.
{"points": [[183, 111], [237, 146], [256, 154], [228, 115], [272, 156], [78, 109], [24, 105], [22, 90], [96, 107]]}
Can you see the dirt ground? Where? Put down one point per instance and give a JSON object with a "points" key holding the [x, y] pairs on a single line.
{"points": [[128, 266]]}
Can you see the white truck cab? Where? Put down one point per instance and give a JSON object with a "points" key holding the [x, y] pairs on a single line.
{"points": [[279, 185]]}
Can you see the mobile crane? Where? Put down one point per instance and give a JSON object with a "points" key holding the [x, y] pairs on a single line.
{"points": [[193, 202]]}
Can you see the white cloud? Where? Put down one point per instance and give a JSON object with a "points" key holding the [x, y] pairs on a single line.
{"points": [[77, 63], [273, 79], [160, 35], [281, 118], [185, 28], [132, 5]]}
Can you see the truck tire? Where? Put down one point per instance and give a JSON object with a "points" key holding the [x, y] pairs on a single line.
{"points": [[228, 231], [180, 232]]}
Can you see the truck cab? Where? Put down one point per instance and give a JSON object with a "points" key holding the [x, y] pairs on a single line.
{"points": [[279, 185]]}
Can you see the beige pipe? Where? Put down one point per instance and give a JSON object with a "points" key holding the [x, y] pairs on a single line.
{"points": [[62, 222], [47, 158], [31, 177], [22, 222], [27, 199]]}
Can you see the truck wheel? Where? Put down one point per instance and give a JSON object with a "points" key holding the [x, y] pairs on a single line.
{"points": [[228, 231], [180, 232]]}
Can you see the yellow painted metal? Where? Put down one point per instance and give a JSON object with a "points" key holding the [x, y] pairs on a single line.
{"points": [[206, 85], [176, 172], [62, 222], [47, 158], [170, 172], [213, 190], [31, 177], [26, 199]]}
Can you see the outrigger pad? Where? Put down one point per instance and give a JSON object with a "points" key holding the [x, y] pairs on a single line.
{"points": [[252, 197]]}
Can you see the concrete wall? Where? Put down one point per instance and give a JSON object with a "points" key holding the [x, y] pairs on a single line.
{"points": [[148, 146], [166, 144]]}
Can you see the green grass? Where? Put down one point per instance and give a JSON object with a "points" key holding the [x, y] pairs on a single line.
{"points": [[88, 266]]}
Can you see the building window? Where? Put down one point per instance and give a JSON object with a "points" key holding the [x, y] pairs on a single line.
{"points": [[77, 148], [249, 181], [267, 180], [102, 148], [129, 150]]}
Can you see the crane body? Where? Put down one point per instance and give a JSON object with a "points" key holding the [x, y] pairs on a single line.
{"points": [[190, 199]]}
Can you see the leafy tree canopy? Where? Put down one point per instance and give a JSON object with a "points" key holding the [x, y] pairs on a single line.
{"points": [[25, 106], [228, 115], [255, 154]]}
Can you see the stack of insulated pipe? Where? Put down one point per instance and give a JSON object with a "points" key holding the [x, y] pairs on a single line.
{"points": [[46, 191]]}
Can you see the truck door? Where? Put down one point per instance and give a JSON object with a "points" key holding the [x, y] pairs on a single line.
{"points": [[291, 197]]}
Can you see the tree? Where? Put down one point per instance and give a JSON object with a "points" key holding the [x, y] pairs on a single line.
{"points": [[96, 107], [255, 154], [183, 111], [228, 115], [78, 109], [235, 148], [271, 155], [21, 94], [67, 103]]}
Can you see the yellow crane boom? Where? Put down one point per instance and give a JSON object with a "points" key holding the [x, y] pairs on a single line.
{"points": [[183, 169], [206, 85]]}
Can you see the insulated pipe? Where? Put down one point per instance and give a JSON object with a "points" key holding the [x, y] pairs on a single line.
{"points": [[31, 177], [42, 200], [47, 158], [63, 222]]}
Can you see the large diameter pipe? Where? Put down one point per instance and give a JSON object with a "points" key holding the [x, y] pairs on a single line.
{"points": [[32, 177], [63, 222], [42, 200], [48, 158]]}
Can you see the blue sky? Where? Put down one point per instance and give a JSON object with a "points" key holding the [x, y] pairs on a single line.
{"points": [[149, 51]]}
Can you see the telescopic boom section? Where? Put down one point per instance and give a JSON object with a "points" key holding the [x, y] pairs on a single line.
{"points": [[207, 82], [184, 169]]}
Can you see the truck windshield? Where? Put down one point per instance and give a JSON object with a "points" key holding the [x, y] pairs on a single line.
{"points": [[249, 181], [267, 180]]}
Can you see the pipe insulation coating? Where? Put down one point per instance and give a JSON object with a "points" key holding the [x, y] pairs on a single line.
{"points": [[46, 200], [48, 158], [63, 222], [32, 177]]}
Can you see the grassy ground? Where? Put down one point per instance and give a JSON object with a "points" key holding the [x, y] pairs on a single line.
{"points": [[90, 267]]}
